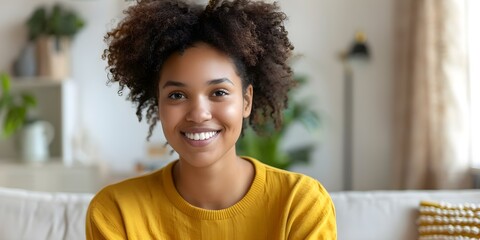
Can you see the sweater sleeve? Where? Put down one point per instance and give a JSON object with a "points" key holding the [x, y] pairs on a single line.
{"points": [[104, 220], [312, 214]]}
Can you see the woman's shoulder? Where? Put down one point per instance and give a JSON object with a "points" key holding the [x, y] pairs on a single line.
{"points": [[306, 203], [134, 187]]}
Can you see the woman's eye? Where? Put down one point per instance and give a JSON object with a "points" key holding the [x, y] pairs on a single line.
{"points": [[176, 95], [220, 93]]}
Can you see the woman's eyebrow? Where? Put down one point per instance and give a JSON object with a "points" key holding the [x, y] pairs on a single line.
{"points": [[210, 82], [173, 83], [220, 80]]}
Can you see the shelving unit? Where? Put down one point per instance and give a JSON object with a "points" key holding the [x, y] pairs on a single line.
{"points": [[57, 105]]}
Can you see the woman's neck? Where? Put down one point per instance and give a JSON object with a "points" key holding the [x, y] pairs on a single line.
{"points": [[218, 186]]}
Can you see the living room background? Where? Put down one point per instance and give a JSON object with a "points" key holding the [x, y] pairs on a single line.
{"points": [[319, 30]]}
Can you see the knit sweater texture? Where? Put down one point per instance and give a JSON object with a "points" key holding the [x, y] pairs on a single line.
{"points": [[278, 205]]}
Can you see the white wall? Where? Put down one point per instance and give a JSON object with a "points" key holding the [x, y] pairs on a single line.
{"points": [[319, 29]]}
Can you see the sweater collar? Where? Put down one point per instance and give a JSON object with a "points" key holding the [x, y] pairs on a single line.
{"points": [[247, 202]]}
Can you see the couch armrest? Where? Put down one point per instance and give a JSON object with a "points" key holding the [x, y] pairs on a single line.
{"points": [[40, 215]]}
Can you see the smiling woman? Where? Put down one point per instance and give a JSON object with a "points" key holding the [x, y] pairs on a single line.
{"points": [[202, 72]]}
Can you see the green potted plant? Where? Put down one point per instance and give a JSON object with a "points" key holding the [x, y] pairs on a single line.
{"points": [[58, 22], [267, 147], [53, 31], [13, 107]]}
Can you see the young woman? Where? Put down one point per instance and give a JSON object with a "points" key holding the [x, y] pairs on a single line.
{"points": [[204, 72]]}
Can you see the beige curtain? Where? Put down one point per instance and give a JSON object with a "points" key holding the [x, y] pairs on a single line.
{"points": [[431, 95]]}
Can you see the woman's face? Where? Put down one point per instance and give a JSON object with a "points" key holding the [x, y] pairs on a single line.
{"points": [[202, 105]]}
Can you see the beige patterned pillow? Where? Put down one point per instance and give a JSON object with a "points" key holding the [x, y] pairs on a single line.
{"points": [[447, 221]]}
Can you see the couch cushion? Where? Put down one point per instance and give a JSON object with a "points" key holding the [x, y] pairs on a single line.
{"points": [[37, 215], [387, 214], [441, 220]]}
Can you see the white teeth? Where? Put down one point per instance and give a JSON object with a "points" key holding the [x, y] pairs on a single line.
{"points": [[200, 136]]}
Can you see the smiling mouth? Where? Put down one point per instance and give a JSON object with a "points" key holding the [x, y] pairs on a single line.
{"points": [[201, 135]]}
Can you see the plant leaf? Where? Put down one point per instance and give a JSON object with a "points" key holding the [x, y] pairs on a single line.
{"points": [[13, 121], [301, 154], [13, 108], [5, 83], [37, 23], [5, 101], [28, 100]]}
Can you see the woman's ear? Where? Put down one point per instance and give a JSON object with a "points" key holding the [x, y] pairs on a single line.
{"points": [[247, 101]]}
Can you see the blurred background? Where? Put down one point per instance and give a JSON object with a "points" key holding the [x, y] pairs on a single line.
{"points": [[98, 138]]}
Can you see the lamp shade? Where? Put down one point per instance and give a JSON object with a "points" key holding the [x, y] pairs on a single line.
{"points": [[359, 47]]}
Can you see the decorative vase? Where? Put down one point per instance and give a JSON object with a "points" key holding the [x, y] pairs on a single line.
{"points": [[26, 64], [53, 57], [35, 139]]}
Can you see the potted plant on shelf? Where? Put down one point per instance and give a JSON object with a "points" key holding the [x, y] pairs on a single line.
{"points": [[267, 148], [52, 32], [34, 136]]}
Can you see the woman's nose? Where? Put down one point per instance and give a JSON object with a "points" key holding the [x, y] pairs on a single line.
{"points": [[199, 111]]}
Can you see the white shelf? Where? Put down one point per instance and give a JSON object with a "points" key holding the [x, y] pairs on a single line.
{"points": [[56, 103]]}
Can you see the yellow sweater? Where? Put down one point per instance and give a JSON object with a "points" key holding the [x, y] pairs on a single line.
{"points": [[278, 205]]}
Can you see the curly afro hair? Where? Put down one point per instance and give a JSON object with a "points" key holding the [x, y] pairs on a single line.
{"points": [[250, 32]]}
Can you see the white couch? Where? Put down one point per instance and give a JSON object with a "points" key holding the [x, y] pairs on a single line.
{"points": [[360, 215], [388, 215]]}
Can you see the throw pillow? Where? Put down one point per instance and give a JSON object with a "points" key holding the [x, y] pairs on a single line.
{"points": [[447, 221]]}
